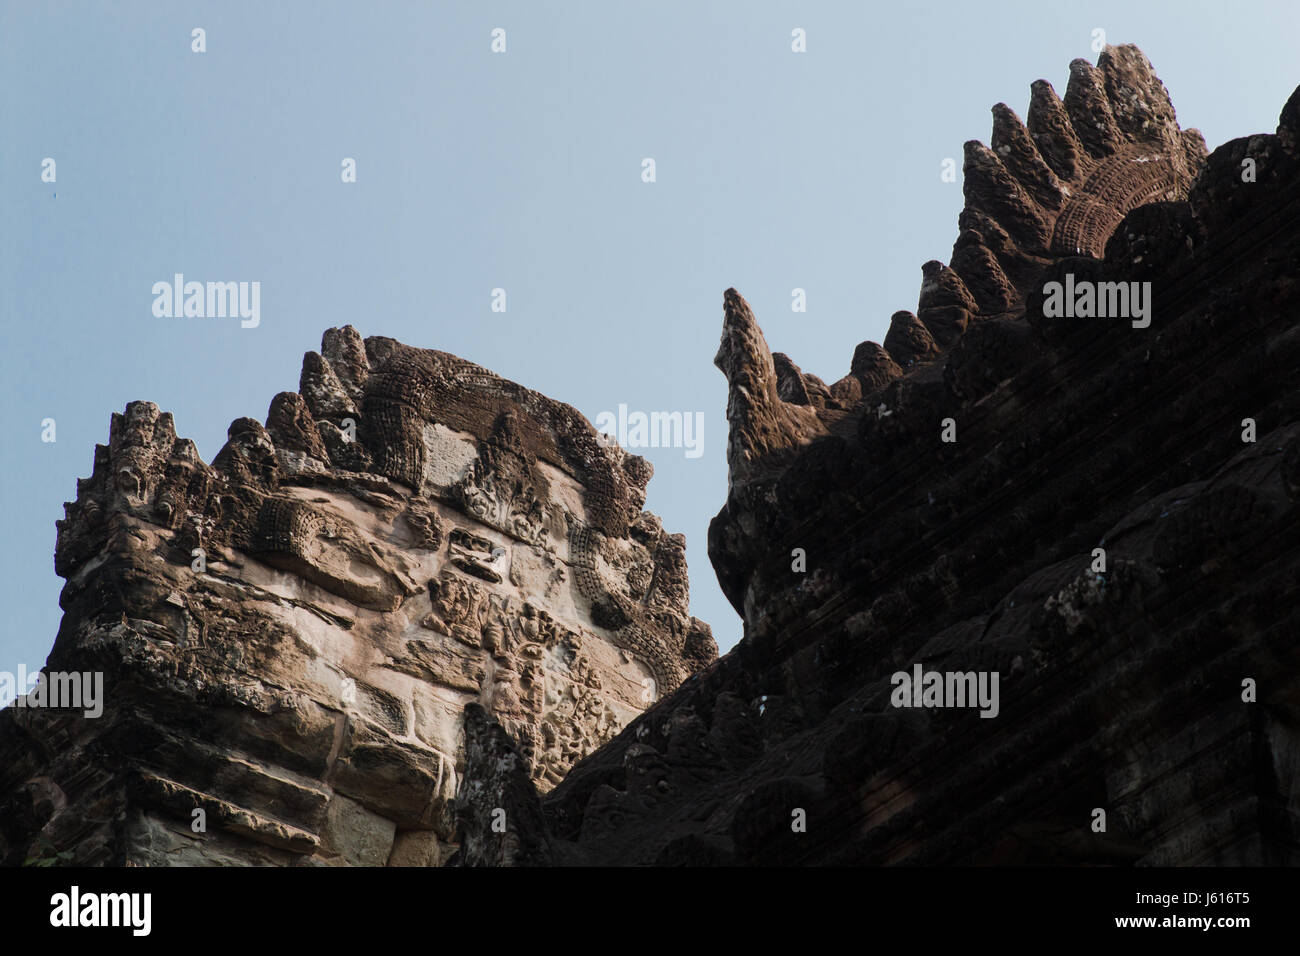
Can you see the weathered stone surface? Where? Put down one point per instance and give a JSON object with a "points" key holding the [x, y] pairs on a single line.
{"points": [[290, 636], [873, 367], [1121, 686], [763, 426], [908, 341], [466, 598]]}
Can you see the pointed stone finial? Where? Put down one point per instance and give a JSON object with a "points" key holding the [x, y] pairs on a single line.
{"points": [[1089, 109], [908, 341], [760, 422], [1053, 133]]}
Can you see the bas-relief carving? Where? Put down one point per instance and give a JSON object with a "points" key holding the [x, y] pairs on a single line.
{"points": [[509, 506], [541, 685], [477, 555], [503, 487], [453, 483]]}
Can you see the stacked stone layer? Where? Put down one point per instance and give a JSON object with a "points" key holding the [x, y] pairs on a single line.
{"points": [[1160, 687], [290, 635]]}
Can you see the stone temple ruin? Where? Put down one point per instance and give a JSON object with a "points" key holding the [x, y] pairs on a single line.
{"points": [[291, 633], [422, 599]]}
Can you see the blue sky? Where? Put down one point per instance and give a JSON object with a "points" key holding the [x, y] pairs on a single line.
{"points": [[520, 171]]}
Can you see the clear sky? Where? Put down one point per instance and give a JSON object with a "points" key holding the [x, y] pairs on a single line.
{"points": [[520, 171]]}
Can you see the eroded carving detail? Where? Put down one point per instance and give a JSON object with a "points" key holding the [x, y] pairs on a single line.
{"points": [[503, 487], [631, 628], [278, 588], [477, 555]]}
